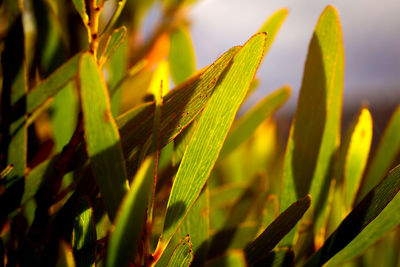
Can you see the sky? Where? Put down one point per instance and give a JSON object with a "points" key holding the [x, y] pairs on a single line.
{"points": [[371, 35]]}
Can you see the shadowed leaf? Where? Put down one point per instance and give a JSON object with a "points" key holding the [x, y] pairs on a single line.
{"points": [[271, 236], [84, 235], [315, 131], [130, 219], [362, 215], [104, 150]]}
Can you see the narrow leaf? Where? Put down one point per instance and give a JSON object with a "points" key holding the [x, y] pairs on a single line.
{"points": [[271, 236], [362, 215], [84, 235], [181, 106], [357, 156], [104, 150], [49, 87], [13, 103], [247, 124], [129, 221], [181, 55], [385, 154], [116, 38], [272, 26], [211, 131], [315, 131], [183, 254]]}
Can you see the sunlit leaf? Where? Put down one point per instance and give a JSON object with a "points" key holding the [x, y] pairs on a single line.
{"points": [[116, 38], [357, 156], [210, 133], [385, 154], [315, 131], [247, 124], [181, 55], [362, 215], [65, 256], [130, 219], [183, 254], [104, 150], [272, 26]]}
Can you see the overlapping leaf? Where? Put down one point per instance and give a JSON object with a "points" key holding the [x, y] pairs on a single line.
{"points": [[211, 131]]}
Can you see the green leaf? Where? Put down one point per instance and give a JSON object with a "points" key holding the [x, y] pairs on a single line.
{"points": [[80, 6], [104, 150], [272, 26], [361, 216], [130, 219], [116, 38], [271, 236], [13, 103], [181, 106], [232, 258], [315, 131], [56, 81], [247, 124], [181, 55], [183, 254], [84, 235], [211, 131], [64, 115], [357, 156], [385, 154]]}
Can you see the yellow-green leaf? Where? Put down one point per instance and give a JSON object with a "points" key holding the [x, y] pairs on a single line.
{"points": [[357, 156], [315, 131], [385, 154], [246, 125], [129, 222], [381, 197], [183, 254], [104, 150], [211, 131], [116, 38], [233, 258], [272, 26], [181, 55]]}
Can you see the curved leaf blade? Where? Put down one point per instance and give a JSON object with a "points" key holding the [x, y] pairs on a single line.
{"points": [[362, 215], [211, 131], [385, 154], [130, 219], [104, 150], [271, 236], [311, 147], [116, 38], [181, 55], [183, 254], [246, 125]]}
